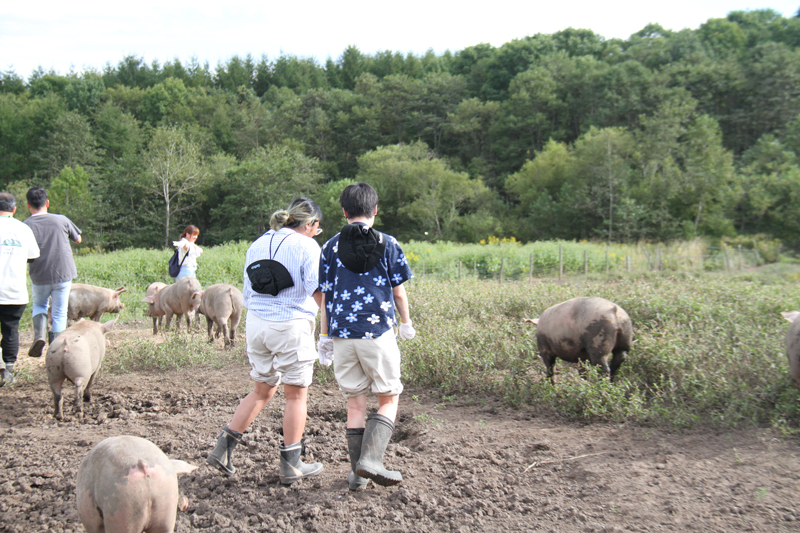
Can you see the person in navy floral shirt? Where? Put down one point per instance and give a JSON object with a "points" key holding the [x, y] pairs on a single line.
{"points": [[361, 276]]}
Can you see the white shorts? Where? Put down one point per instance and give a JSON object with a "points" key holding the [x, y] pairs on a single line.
{"points": [[281, 352], [361, 364]]}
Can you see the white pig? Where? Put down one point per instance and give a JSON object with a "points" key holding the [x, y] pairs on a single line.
{"points": [[219, 303], [127, 484]]}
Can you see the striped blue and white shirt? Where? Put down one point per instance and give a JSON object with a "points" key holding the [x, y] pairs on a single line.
{"points": [[300, 255]]}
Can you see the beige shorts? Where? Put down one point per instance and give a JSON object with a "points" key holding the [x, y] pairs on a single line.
{"points": [[281, 352], [361, 364]]}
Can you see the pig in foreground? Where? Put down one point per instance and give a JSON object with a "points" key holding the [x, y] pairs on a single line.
{"points": [[219, 303], [584, 329], [91, 302], [176, 299], [127, 484], [76, 355], [793, 345], [158, 315]]}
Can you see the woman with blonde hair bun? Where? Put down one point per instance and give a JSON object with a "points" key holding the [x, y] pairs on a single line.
{"points": [[282, 298]]}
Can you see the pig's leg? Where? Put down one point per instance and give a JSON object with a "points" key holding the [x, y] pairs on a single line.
{"points": [[210, 324], [58, 400], [189, 322], [80, 386], [155, 325], [87, 393], [96, 317], [224, 327], [89, 513]]}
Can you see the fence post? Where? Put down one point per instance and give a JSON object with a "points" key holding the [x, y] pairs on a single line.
{"points": [[725, 257], [628, 262], [423, 268], [741, 258], [502, 267], [658, 258], [475, 268], [586, 262], [459, 271], [758, 256], [560, 262], [530, 269], [647, 254]]}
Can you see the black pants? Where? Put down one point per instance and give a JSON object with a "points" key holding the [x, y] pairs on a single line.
{"points": [[9, 327]]}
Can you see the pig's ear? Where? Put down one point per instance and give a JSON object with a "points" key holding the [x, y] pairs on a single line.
{"points": [[181, 467], [791, 316], [120, 290], [108, 326], [148, 300], [534, 321]]}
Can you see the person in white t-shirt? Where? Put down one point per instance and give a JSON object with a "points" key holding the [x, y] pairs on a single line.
{"points": [[188, 252], [17, 246]]}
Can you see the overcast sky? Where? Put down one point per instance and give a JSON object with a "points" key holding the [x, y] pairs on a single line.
{"points": [[82, 35]]}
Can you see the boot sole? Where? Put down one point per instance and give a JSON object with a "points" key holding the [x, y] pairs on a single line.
{"points": [[295, 479], [36, 349], [219, 466], [379, 479]]}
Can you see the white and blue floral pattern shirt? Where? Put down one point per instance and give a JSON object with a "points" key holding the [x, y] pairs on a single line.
{"points": [[361, 306]]}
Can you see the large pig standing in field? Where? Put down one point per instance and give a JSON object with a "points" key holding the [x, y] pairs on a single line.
{"points": [[219, 303], [157, 314], [793, 345], [584, 329], [127, 484], [91, 302], [176, 299], [76, 355]]}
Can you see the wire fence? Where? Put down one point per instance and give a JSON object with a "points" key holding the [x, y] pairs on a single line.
{"points": [[572, 262]]}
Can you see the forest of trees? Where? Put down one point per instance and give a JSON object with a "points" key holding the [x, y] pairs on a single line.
{"points": [[666, 135]]}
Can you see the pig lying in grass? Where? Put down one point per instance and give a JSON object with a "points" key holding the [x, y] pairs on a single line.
{"points": [[76, 355], [127, 484], [175, 299], [151, 311], [793, 345], [91, 302], [584, 329], [219, 303]]}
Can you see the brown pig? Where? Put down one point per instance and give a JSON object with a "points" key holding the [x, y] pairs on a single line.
{"points": [[91, 302], [793, 345], [76, 355], [584, 329], [158, 315], [219, 303], [127, 484], [176, 299]]}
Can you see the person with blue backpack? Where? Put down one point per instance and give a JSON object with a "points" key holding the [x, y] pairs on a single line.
{"points": [[186, 254]]}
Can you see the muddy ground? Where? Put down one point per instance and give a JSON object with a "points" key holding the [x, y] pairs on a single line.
{"points": [[467, 465]]}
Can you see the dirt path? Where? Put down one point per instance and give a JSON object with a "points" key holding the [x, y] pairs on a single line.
{"points": [[467, 466]]}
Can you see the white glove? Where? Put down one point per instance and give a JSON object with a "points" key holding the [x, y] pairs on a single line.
{"points": [[406, 330], [325, 350]]}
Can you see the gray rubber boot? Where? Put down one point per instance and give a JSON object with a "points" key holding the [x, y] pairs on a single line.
{"points": [[292, 468], [7, 375], [376, 437], [354, 439], [220, 456], [39, 335], [3, 374]]}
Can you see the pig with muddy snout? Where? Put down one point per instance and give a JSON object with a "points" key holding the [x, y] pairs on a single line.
{"points": [[584, 329], [76, 355], [793, 345], [157, 314], [127, 484]]}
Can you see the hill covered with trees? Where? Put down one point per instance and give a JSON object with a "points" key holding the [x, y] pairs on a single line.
{"points": [[665, 135]]}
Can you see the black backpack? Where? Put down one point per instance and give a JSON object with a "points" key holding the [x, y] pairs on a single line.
{"points": [[174, 266], [268, 276], [360, 247]]}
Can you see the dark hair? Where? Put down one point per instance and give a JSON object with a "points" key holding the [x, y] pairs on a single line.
{"points": [[7, 202], [37, 197], [300, 212], [359, 200], [190, 230]]}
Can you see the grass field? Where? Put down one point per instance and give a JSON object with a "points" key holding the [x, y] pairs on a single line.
{"points": [[708, 347]]}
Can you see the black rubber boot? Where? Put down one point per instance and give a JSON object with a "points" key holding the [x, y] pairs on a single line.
{"points": [[354, 439], [220, 456], [292, 468], [51, 336], [376, 437], [39, 335]]}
